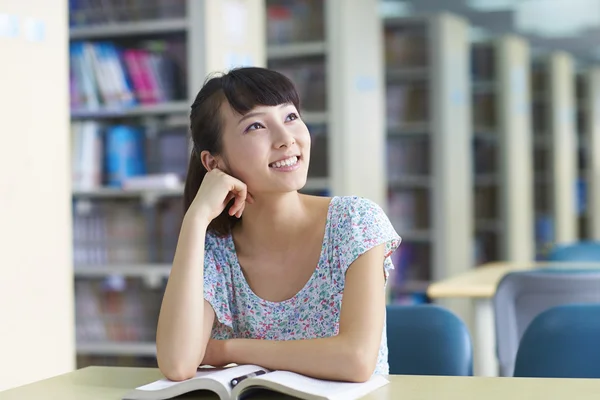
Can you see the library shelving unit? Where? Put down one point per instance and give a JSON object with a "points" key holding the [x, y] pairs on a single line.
{"points": [[339, 75], [135, 70], [503, 160], [588, 130], [555, 151], [429, 156]]}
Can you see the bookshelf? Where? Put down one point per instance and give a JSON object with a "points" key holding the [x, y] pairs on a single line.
{"points": [[555, 151], [592, 145], [588, 129], [313, 42], [428, 123], [502, 151], [135, 70]]}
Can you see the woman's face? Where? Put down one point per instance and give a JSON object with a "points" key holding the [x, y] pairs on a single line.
{"points": [[268, 148]]}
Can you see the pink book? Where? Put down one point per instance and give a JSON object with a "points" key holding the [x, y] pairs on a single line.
{"points": [[135, 71], [143, 58]]}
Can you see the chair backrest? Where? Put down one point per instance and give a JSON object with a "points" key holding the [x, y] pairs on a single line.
{"points": [[577, 251], [521, 296], [427, 340], [561, 342]]}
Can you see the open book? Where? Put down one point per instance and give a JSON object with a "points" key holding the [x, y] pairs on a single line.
{"points": [[230, 384]]}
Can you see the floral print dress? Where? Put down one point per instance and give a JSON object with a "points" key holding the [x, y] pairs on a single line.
{"points": [[354, 225]]}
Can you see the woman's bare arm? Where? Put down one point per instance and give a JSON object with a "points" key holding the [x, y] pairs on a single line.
{"points": [[185, 319]]}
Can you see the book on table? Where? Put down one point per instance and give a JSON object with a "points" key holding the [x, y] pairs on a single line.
{"points": [[234, 382]]}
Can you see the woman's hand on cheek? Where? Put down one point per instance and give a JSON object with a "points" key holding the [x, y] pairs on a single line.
{"points": [[216, 354]]}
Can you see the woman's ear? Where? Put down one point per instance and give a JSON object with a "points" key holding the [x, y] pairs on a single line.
{"points": [[209, 161]]}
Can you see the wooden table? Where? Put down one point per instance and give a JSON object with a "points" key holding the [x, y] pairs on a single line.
{"points": [[111, 383], [479, 285]]}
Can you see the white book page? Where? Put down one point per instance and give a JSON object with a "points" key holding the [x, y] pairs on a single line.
{"points": [[224, 376], [318, 387]]}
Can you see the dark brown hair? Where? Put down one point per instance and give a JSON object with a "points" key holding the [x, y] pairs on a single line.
{"points": [[243, 89]]}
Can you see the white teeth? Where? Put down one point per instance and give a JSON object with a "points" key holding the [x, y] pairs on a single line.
{"points": [[285, 163]]}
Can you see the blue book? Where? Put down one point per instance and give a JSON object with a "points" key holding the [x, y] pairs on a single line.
{"points": [[125, 154]]}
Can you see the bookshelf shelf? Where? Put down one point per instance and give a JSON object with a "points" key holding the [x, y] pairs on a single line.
{"points": [[116, 348], [128, 29], [296, 50], [410, 129], [396, 75], [111, 193], [149, 271], [406, 181], [174, 107]]}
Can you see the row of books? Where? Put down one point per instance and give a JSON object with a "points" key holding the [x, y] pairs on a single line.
{"points": [[486, 248], [115, 309], [108, 155], [95, 12], [295, 21], [104, 74], [122, 232], [309, 78], [485, 203], [484, 110], [409, 209], [412, 156], [405, 104], [408, 156], [406, 47], [412, 262]]}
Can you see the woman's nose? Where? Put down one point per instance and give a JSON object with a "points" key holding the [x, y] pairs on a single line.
{"points": [[284, 138]]}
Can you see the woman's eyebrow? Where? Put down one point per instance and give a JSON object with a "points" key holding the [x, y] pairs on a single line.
{"points": [[258, 113]]}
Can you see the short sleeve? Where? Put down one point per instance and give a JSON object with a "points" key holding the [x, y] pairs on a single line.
{"points": [[218, 288], [362, 227]]}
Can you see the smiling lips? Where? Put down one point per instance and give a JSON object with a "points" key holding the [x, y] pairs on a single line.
{"points": [[288, 162]]}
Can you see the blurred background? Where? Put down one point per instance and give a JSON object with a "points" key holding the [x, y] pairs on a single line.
{"points": [[474, 123]]}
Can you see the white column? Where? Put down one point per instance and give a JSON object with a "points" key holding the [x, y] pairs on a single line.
{"points": [[355, 105], [564, 150], [516, 153], [593, 151]]}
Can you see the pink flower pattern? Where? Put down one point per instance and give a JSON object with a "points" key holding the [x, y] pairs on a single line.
{"points": [[354, 226]]}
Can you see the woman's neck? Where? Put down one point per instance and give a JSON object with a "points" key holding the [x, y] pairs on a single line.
{"points": [[274, 222]]}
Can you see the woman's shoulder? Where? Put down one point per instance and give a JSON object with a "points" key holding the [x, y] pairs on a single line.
{"points": [[356, 208]]}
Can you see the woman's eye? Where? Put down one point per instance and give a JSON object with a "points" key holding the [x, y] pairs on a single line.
{"points": [[254, 126], [291, 117]]}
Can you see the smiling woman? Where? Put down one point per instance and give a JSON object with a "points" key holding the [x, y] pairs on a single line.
{"points": [[279, 266]]}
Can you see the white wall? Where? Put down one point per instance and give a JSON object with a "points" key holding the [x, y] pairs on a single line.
{"points": [[36, 299]]}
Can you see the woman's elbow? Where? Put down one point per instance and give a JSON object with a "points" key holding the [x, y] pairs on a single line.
{"points": [[177, 372], [176, 369], [360, 365]]}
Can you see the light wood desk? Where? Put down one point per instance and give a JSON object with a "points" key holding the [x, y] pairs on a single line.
{"points": [[111, 383], [479, 285]]}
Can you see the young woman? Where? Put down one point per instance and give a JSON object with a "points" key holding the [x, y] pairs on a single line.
{"points": [[263, 274]]}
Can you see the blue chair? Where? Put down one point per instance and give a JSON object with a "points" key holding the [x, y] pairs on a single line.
{"points": [[427, 340], [523, 295], [578, 251], [561, 342]]}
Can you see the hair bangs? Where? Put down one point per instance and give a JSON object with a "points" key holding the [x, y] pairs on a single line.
{"points": [[258, 87]]}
